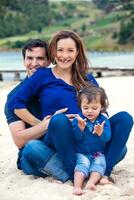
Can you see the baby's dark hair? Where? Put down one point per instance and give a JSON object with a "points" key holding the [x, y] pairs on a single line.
{"points": [[92, 93]]}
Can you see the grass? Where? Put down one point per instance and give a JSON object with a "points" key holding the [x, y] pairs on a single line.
{"points": [[97, 36]]}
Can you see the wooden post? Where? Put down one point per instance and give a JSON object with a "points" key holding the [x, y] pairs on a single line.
{"points": [[99, 74], [17, 76], [1, 77]]}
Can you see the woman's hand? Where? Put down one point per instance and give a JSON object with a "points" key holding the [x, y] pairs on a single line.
{"points": [[69, 116], [63, 110]]}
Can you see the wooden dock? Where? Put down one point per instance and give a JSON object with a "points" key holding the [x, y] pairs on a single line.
{"points": [[16, 74], [106, 71], [97, 72]]}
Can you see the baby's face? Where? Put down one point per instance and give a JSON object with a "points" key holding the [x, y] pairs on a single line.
{"points": [[91, 110]]}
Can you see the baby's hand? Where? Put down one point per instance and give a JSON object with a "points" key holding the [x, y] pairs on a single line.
{"points": [[98, 128], [81, 123]]}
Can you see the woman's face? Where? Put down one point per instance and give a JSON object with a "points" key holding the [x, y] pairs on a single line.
{"points": [[66, 53]]}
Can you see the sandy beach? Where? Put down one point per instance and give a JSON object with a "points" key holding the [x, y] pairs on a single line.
{"points": [[15, 185]]}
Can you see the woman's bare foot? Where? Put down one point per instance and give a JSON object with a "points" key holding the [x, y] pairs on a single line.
{"points": [[90, 186], [78, 191], [105, 180]]}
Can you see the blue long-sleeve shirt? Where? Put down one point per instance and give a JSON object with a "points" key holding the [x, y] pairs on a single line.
{"points": [[33, 105], [53, 93], [89, 142]]}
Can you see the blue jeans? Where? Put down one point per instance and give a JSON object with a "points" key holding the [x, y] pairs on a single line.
{"points": [[39, 160], [60, 138], [90, 163], [121, 125]]}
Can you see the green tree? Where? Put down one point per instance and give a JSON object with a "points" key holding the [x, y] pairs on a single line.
{"points": [[126, 33], [83, 28]]}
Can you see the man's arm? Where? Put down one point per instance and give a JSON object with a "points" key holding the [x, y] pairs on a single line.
{"points": [[21, 135], [27, 117]]}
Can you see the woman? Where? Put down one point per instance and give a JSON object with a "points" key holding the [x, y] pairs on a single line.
{"points": [[57, 89]]}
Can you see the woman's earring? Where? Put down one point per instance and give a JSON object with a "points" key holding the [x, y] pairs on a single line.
{"points": [[54, 62]]}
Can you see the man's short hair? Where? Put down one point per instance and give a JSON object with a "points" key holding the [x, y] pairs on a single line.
{"points": [[33, 44]]}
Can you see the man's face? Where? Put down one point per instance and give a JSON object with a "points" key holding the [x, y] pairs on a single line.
{"points": [[35, 58]]}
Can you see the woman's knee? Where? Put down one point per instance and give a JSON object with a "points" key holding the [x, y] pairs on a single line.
{"points": [[59, 120], [126, 117], [122, 117], [126, 120], [60, 125], [61, 133]]}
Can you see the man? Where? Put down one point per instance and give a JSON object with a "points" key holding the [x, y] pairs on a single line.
{"points": [[34, 157]]}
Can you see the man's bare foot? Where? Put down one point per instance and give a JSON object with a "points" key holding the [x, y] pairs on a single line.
{"points": [[90, 186], [78, 191], [105, 180]]}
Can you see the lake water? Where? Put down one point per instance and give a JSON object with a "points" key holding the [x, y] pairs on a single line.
{"points": [[14, 61]]}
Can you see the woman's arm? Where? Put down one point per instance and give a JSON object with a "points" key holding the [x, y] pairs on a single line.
{"points": [[29, 89], [18, 103], [92, 79], [26, 116]]}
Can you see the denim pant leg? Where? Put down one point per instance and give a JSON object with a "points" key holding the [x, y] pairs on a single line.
{"points": [[55, 168], [39, 160], [98, 164], [121, 125], [34, 155], [60, 134], [83, 164]]}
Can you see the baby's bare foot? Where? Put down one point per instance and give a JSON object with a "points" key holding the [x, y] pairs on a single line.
{"points": [[78, 191], [105, 180], [90, 186]]}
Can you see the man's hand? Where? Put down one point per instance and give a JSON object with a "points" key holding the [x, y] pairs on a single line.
{"points": [[81, 122], [46, 121], [98, 128]]}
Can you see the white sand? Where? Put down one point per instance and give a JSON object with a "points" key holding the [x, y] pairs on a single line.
{"points": [[15, 185]]}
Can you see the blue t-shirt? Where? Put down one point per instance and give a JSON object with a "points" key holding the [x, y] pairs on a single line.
{"points": [[53, 93], [88, 142]]}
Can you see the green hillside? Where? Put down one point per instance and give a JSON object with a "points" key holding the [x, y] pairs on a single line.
{"points": [[98, 29]]}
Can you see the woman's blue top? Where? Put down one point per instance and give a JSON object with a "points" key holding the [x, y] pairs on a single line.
{"points": [[53, 93]]}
